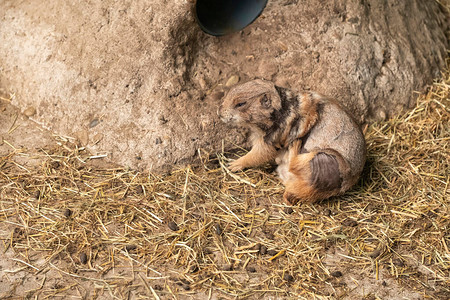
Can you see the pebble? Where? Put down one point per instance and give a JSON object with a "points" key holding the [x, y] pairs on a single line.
{"points": [[83, 258], [139, 189], [218, 229], [327, 212], [398, 262], [336, 274], [55, 164], [233, 80], [173, 226], [288, 210], [94, 123], [288, 277], [251, 269], [130, 247], [272, 252], [263, 250], [67, 213], [349, 222], [30, 111]]}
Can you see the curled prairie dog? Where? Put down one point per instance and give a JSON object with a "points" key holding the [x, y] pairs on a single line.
{"points": [[319, 148]]}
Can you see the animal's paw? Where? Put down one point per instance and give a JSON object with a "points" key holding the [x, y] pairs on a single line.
{"points": [[235, 166]]}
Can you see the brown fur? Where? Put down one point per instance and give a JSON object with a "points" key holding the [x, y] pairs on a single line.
{"points": [[319, 149]]}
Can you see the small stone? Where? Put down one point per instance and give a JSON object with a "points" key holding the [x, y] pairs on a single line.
{"points": [[288, 210], [55, 164], [173, 226], [263, 250], [139, 189], [336, 274], [130, 247], [251, 269], [94, 123], [381, 114], [30, 111], [327, 212], [202, 83], [218, 229], [233, 80], [228, 267], [83, 258], [349, 223], [67, 213], [158, 141], [272, 252], [398, 262], [288, 277]]}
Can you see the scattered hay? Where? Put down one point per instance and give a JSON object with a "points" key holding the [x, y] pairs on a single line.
{"points": [[203, 232]]}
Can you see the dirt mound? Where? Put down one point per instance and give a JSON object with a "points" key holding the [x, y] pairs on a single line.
{"points": [[141, 83]]}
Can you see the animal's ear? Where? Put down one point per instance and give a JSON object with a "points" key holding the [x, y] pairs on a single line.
{"points": [[266, 102]]}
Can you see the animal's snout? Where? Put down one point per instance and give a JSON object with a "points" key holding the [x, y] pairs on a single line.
{"points": [[224, 115]]}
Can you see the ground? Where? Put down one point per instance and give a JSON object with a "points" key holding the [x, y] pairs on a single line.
{"points": [[140, 82], [74, 225]]}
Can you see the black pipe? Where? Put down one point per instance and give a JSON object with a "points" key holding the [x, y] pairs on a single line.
{"points": [[220, 17]]}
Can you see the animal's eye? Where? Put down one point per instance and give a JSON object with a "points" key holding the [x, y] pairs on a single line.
{"points": [[240, 104]]}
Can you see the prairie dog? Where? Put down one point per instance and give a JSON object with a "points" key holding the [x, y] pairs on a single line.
{"points": [[319, 148]]}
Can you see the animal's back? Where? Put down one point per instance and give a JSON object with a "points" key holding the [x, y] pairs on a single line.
{"points": [[336, 130]]}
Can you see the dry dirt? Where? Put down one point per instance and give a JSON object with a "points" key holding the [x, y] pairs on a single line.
{"points": [[141, 86], [139, 81], [90, 232]]}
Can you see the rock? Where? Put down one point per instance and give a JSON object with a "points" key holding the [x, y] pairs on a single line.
{"points": [[173, 226], [336, 274], [30, 111], [83, 258], [131, 62], [233, 80]]}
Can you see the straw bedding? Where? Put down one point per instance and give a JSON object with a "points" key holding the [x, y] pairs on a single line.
{"points": [[74, 226]]}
